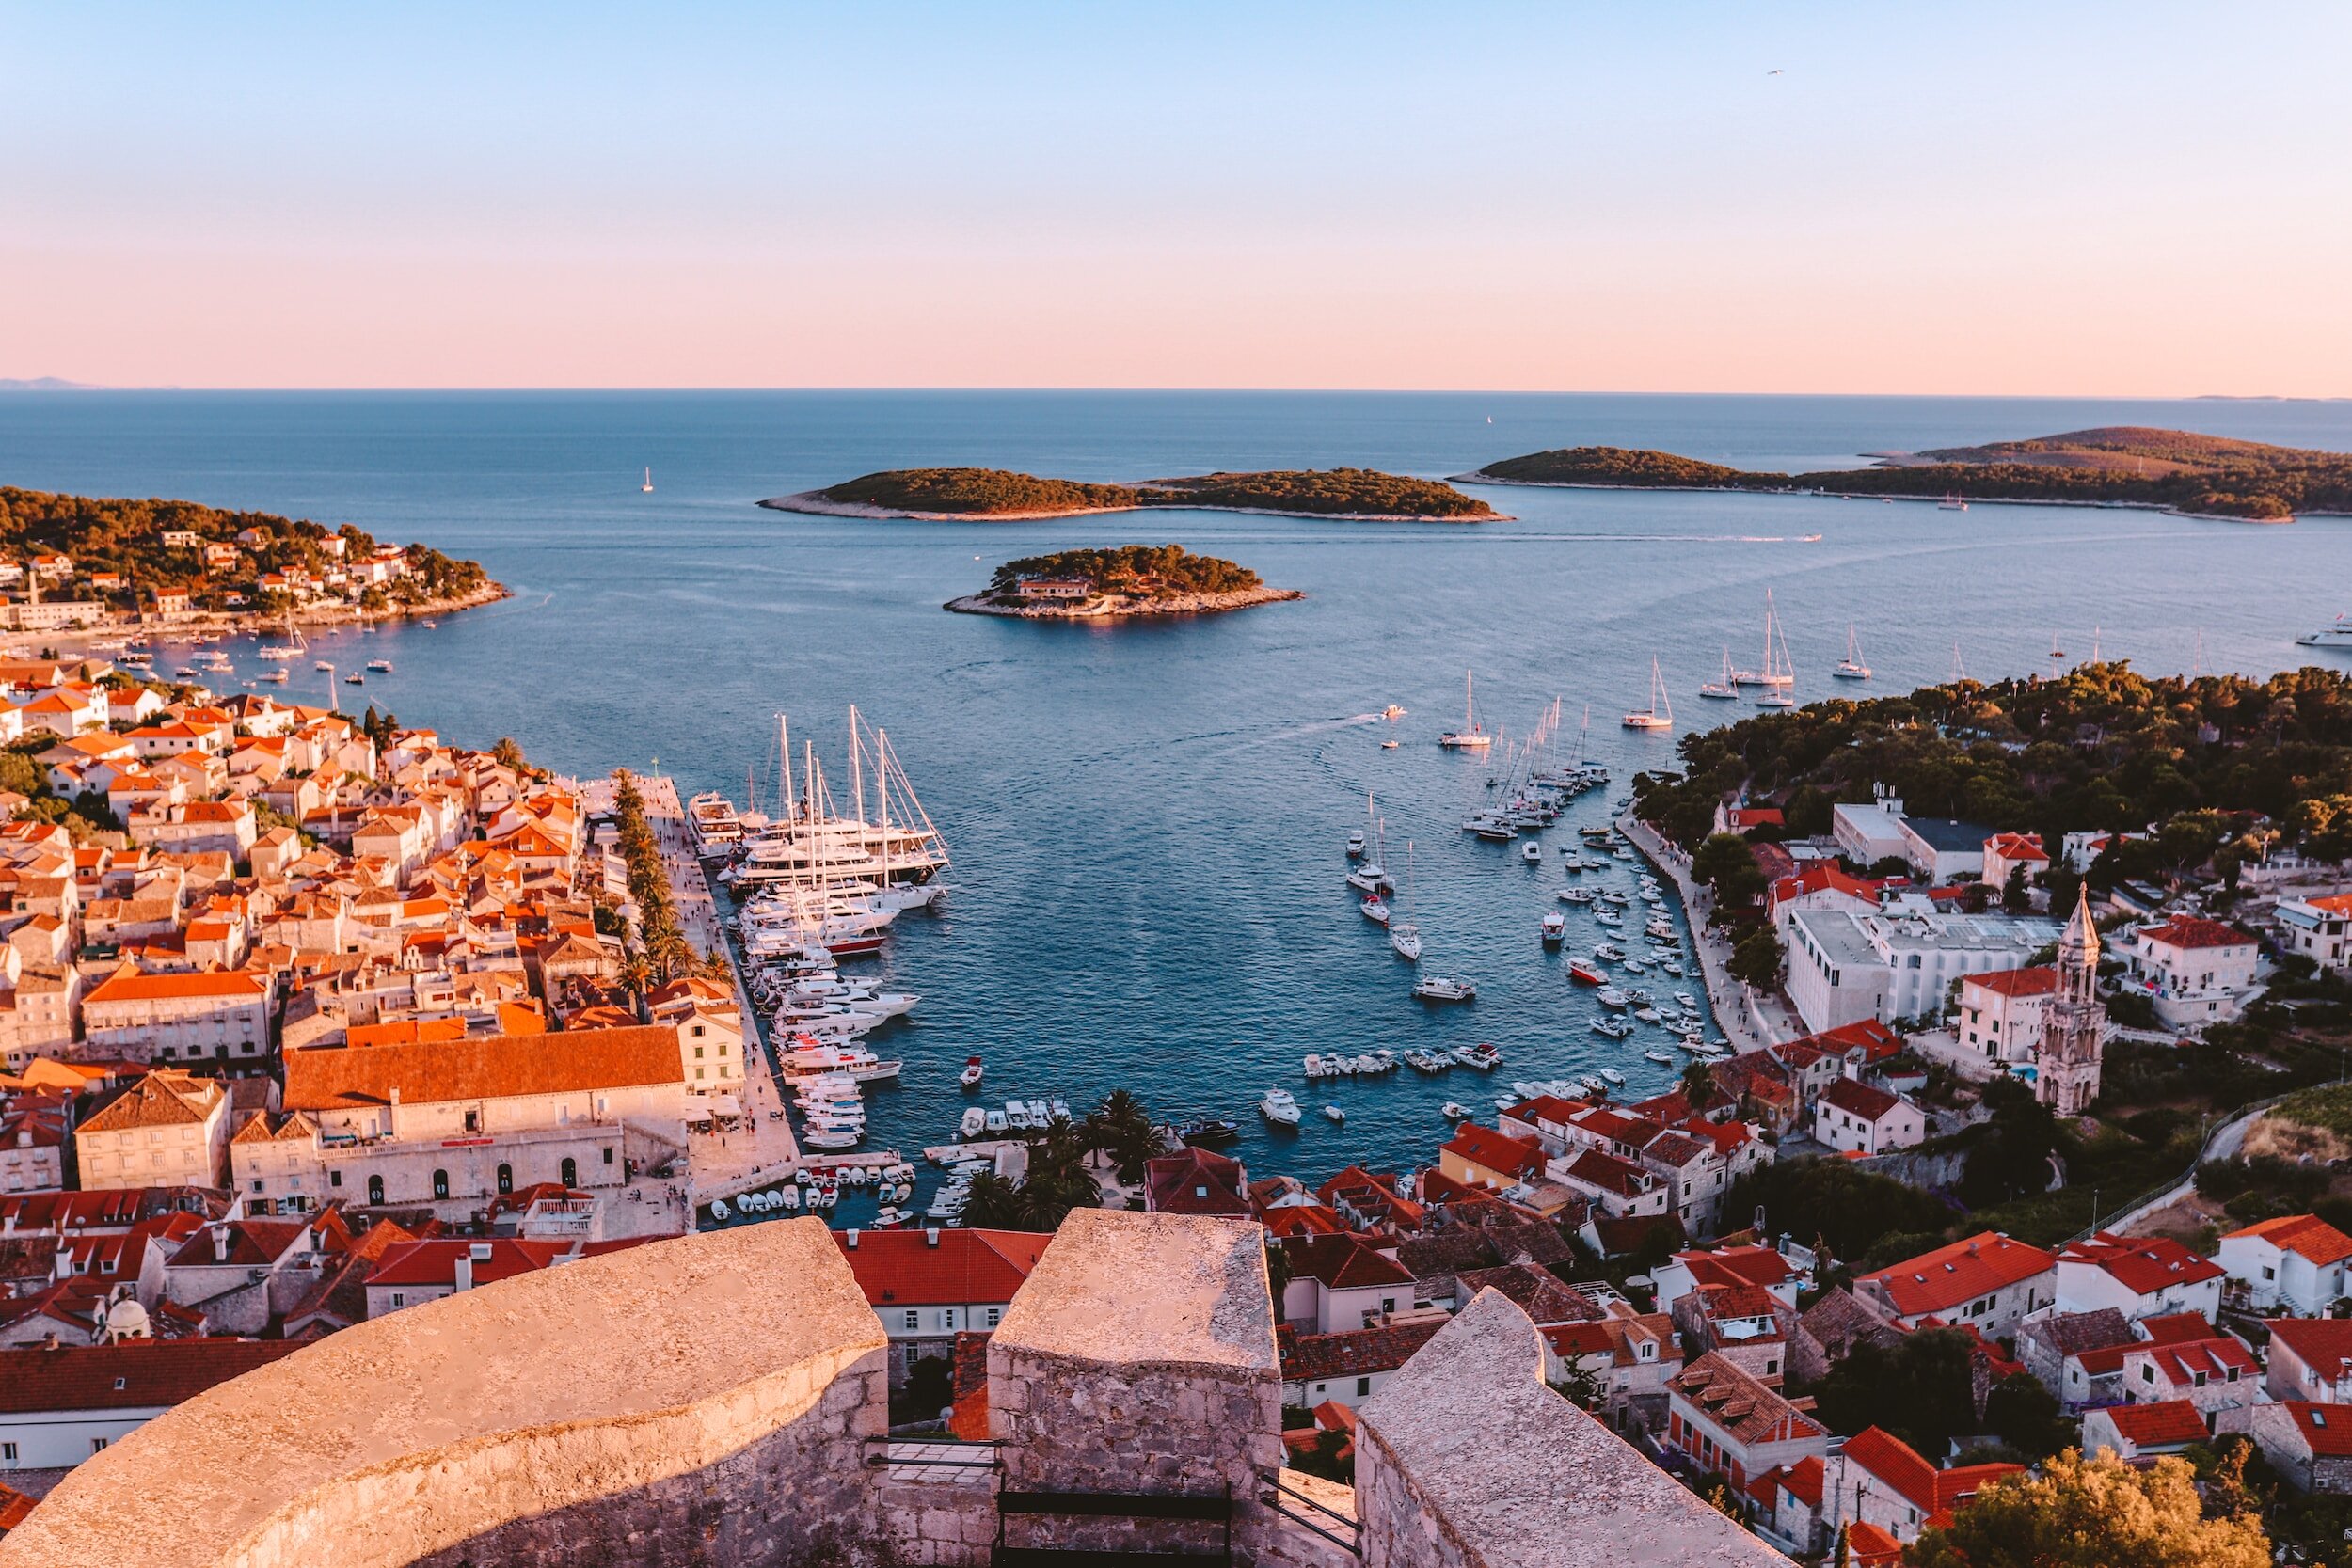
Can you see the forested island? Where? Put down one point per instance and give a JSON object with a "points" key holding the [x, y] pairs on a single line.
{"points": [[2178, 470], [998, 495], [1121, 580], [117, 560]]}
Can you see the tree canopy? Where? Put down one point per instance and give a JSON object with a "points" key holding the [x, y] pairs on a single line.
{"points": [[2093, 1514], [1143, 571], [1325, 492]]}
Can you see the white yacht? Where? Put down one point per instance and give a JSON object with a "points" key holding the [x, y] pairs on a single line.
{"points": [[1776, 671], [975, 1122], [1279, 1108], [1445, 987], [1660, 715], [1726, 688], [1470, 737], [1356, 845], [2336, 634], [1851, 668], [1405, 937]]}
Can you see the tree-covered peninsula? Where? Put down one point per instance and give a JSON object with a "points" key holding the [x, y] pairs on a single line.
{"points": [[1000, 495], [1123, 579], [2118, 466]]}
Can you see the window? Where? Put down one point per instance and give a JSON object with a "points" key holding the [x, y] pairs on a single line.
{"points": [[376, 1191], [8, 1453], [440, 1183], [914, 1319], [2148, 1373], [334, 1179], [506, 1177], [698, 1053], [571, 1169], [1363, 1386], [98, 1445], [400, 1298], [607, 1156], [995, 1313]]}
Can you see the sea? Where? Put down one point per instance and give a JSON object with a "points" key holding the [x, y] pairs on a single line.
{"points": [[1146, 820]]}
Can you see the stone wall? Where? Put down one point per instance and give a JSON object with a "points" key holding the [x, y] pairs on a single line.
{"points": [[1139, 1357], [702, 1400], [1465, 1459]]}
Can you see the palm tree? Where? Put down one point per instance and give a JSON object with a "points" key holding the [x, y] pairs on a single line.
{"points": [[1122, 1129], [637, 973], [993, 1204]]}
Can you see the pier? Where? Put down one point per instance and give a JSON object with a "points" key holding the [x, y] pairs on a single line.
{"points": [[1739, 1011]]}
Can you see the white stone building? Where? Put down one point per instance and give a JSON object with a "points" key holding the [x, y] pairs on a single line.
{"points": [[221, 1014], [2196, 970], [2295, 1264], [165, 1129], [1853, 1116]]}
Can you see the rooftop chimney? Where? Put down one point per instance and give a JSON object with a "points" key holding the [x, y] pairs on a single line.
{"points": [[220, 1243], [465, 1272], [930, 1236], [850, 1239]]}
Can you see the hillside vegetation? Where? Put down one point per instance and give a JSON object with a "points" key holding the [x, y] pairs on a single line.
{"points": [[1138, 571], [2203, 475], [993, 492], [126, 537]]}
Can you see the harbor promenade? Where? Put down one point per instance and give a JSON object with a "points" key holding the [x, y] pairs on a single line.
{"points": [[1747, 1020], [760, 1150]]}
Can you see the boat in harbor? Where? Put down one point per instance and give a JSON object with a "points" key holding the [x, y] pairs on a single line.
{"points": [[1356, 845], [381, 666], [1455, 1111], [1659, 1056], [1470, 737], [1404, 935], [1374, 909], [1724, 689], [1554, 927], [1444, 988], [1587, 973], [973, 1071], [974, 1123], [1610, 997], [1615, 1028], [1611, 1076], [1851, 668], [1332, 1113], [2335, 634], [1482, 1056], [1660, 715], [1776, 671], [1278, 1108], [1532, 853], [1574, 896], [1393, 711], [1206, 1133]]}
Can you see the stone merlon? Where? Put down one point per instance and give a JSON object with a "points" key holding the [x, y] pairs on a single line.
{"points": [[1466, 1460]]}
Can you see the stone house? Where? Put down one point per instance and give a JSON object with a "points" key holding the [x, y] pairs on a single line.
{"points": [[1986, 1281], [243, 1275], [2140, 1276], [1725, 1419], [1616, 1188], [1878, 1479], [1350, 1366], [222, 1014], [928, 1286], [2309, 1444], [2311, 1358], [1342, 1282], [2050, 1345], [1853, 1116], [163, 1129], [2142, 1431], [2212, 1373]]}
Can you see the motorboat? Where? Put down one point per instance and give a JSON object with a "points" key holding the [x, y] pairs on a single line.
{"points": [[1610, 997], [321, 664], [1482, 1056], [1585, 972], [1392, 711], [355, 678], [997, 1122], [1660, 1057], [1060, 1110], [1593, 1084], [1609, 953], [973, 1071], [1405, 937], [1686, 1001], [381, 666], [1531, 853], [1455, 1111], [1649, 1015], [1574, 896], [1615, 1028], [1041, 1113], [1356, 845], [1556, 928], [1278, 1108], [975, 1122], [1206, 1131], [1332, 1113], [1444, 988], [1017, 1116], [720, 1211], [1374, 909], [1430, 1062]]}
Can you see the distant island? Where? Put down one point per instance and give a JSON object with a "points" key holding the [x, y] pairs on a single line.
{"points": [[1122, 580], [93, 564], [998, 495], [2198, 476]]}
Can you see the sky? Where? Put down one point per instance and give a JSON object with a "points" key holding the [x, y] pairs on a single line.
{"points": [[2130, 199]]}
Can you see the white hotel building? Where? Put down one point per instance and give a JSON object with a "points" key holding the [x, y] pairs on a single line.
{"points": [[1844, 967]]}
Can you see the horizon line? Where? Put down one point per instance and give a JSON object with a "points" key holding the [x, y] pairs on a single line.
{"points": [[54, 384]]}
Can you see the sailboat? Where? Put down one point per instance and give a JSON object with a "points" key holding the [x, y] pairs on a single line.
{"points": [[1726, 688], [2056, 652], [1370, 876], [647, 486], [1776, 671], [1851, 668], [1402, 934], [1470, 737], [1650, 717]]}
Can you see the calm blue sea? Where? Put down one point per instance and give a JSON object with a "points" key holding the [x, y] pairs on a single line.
{"points": [[1146, 819]]}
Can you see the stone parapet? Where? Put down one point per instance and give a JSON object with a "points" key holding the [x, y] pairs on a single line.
{"points": [[702, 1400], [1139, 1359], [1465, 1459]]}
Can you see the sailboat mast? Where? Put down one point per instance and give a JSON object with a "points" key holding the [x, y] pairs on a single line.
{"points": [[882, 794], [857, 769], [784, 747]]}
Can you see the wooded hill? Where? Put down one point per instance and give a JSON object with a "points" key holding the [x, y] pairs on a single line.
{"points": [[2200, 475], [989, 492], [1141, 571]]}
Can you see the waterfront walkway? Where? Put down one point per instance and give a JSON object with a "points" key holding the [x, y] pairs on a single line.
{"points": [[760, 1151], [1747, 1020]]}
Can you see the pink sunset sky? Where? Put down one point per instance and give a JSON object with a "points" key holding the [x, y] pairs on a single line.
{"points": [[2120, 200]]}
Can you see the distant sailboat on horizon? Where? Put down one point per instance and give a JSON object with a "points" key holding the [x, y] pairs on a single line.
{"points": [[1851, 668], [647, 486]]}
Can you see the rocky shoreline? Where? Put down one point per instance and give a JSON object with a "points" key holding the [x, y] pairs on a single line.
{"points": [[1475, 477], [1117, 607], [242, 624], [817, 503]]}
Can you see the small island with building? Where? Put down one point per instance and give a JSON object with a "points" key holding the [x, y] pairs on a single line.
{"points": [[1122, 580], [997, 495], [2173, 470], [83, 563]]}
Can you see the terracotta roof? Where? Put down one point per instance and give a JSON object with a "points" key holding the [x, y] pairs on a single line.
{"points": [[2073, 1332], [130, 1375], [161, 1099], [1804, 1481], [2041, 980], [1958, 1273], [2016, 846], [2162, 1423], [434, 1262], [2307, 1236], [2214, 1359], [1343, 1262], [1738, 1403], [1868, 1546], [2329, 1437], [2142, 1264], [1610, 1174], [485, 1068], [2323, 1344], [1485, 1147], [2189, 931], [235, 985], [1824, 876], [1737, 1265], [1354, 1353], [1859, 1099], [1876, 1040], [1538, 1293], [1194, 1182], [903, 1268], [1896, 1463], [252, 1244]]}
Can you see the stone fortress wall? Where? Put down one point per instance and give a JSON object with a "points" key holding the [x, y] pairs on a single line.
{"points": [[715, 1401]]}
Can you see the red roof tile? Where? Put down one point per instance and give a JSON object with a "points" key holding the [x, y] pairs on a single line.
{"points": [[2328, 1428], [1354, 1353], [2165, 1422], [1485, 1147], [2323, 1344], [1343, 1262], [130, 1375], [902, 1268], [484, 1067], [2041, 980], [2307, 1236], [2189, 931], [1958, 1273], [2142, 1264]]}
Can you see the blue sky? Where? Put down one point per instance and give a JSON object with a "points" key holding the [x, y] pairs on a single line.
{"points": [[2001, 199]]}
